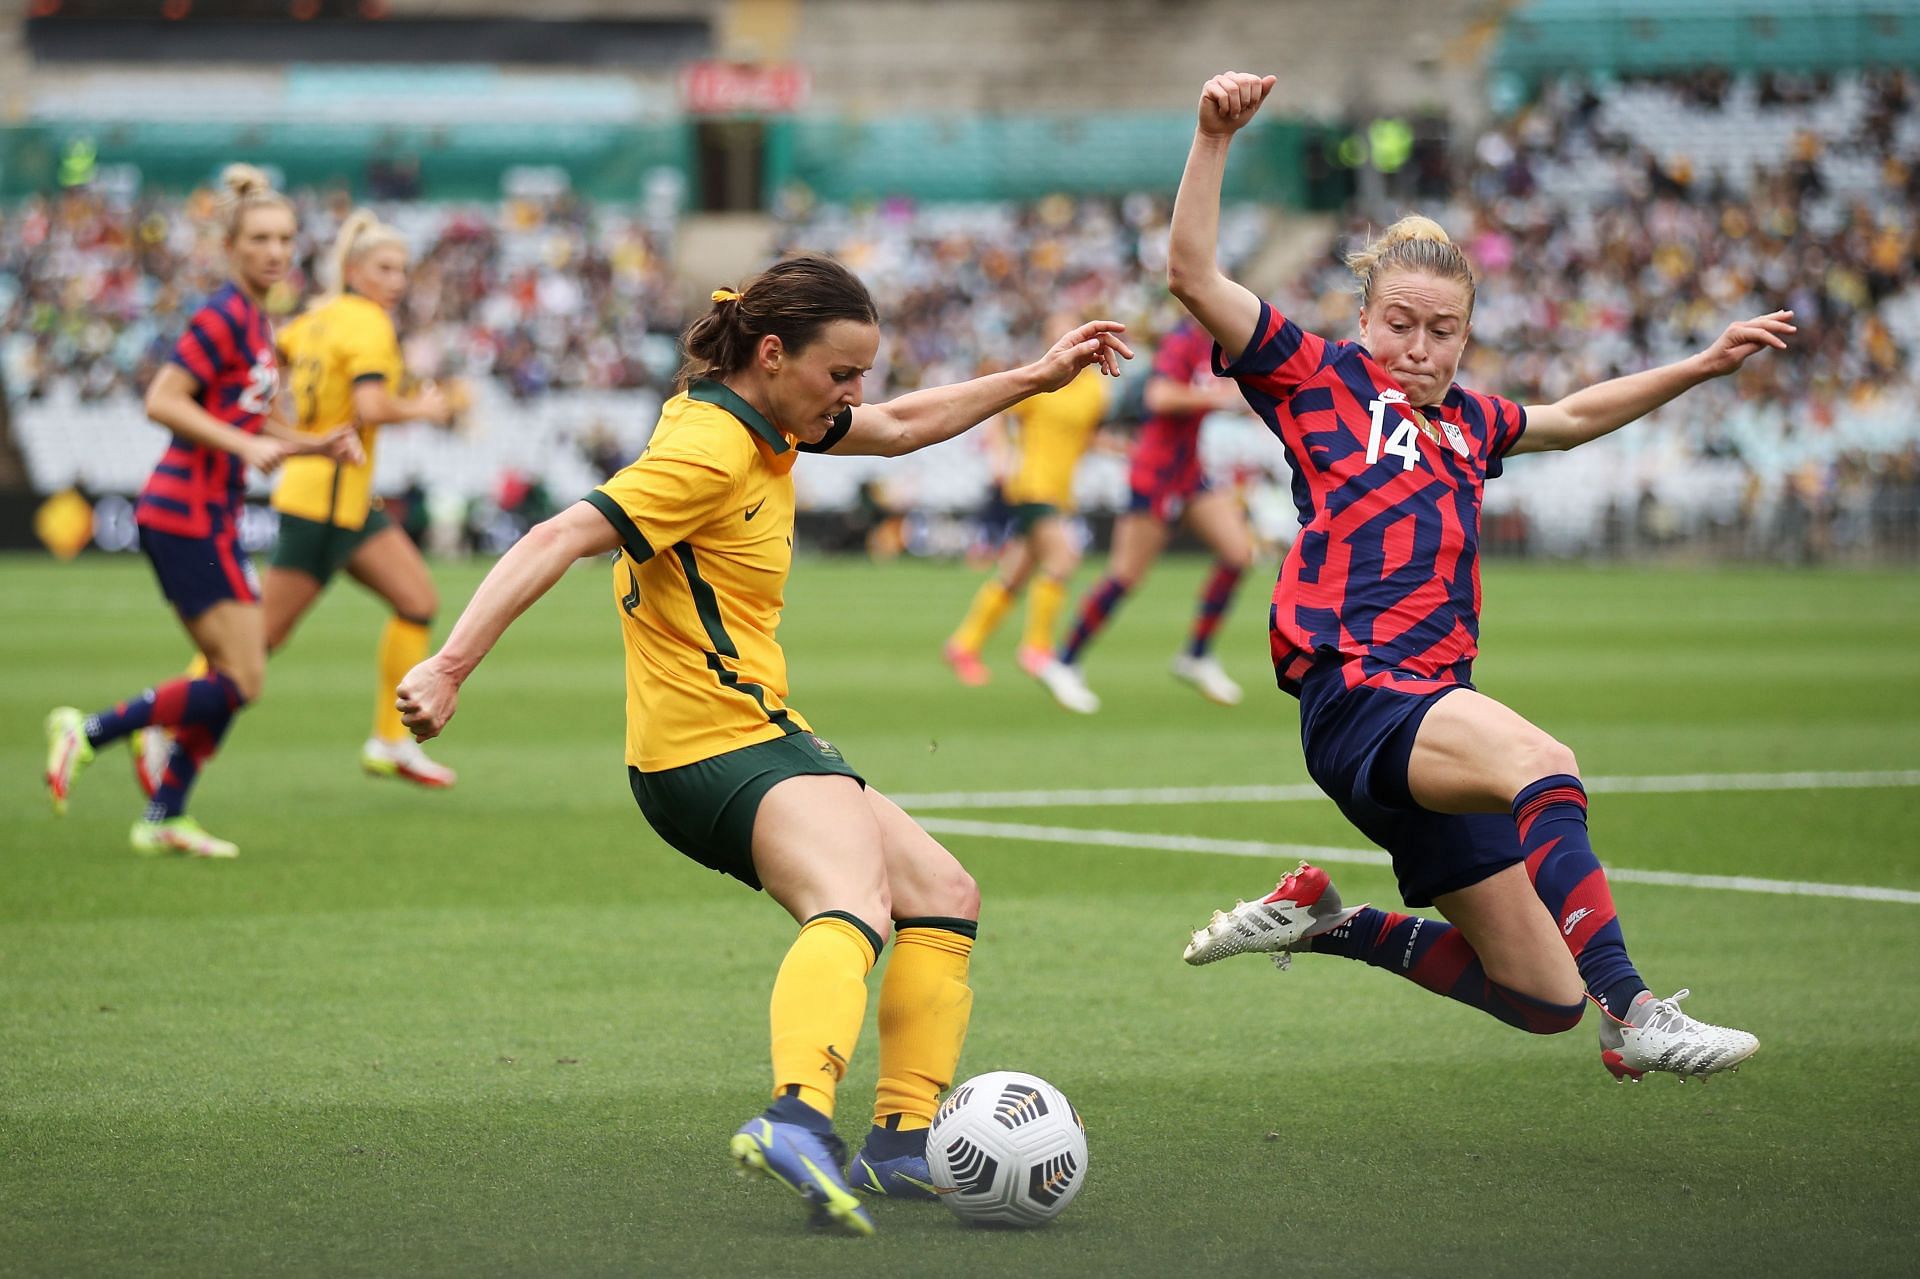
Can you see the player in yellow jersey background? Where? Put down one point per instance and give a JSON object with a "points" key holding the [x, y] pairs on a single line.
{"points": [[1051, 433], [344, 366], [721, 766]]}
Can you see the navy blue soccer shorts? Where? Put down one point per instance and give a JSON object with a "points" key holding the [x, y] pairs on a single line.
{"points": [[1167, 502], [1358, 742], [198, 572]]}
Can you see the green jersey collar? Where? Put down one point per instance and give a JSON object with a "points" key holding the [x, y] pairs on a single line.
{"points": [[725, 397]]}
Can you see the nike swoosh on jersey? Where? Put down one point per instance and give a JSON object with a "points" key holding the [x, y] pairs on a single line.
{"points": [[755, 508]]}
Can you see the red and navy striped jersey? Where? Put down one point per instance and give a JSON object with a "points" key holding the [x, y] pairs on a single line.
{"points": [[195, 490], [1167, 447], [1386, 570]]}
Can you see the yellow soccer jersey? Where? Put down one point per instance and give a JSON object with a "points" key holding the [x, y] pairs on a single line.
{"points": [[706, 517], [1054, 429], [328, 351]]}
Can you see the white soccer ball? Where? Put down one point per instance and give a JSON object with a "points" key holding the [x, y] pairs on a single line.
{"points": [[1007, 1148]]}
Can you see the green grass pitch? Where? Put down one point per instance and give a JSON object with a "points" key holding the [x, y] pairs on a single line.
{"points": [[505, 1030]]}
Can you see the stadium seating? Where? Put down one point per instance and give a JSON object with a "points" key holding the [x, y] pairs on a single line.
{"points": [[1616, 224]]}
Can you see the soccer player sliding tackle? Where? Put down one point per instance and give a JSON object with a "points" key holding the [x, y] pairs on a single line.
{"points": [[1375, 626]]}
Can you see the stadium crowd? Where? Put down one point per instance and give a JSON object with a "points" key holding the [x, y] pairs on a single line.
{"points": [[541, 294], [1614, 226], [1610, 238]]}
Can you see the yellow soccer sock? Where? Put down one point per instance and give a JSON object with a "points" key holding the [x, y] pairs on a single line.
{"points": [[1044, 598], [819, 1000], [403, 645], [198, 667], [989, 607], [925, 1005]]}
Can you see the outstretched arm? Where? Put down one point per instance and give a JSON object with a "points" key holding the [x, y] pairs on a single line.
{"points": [[939, 413], [1225, 309], [1591, 413], [374, 404], [430, 693], [1166, 395]]}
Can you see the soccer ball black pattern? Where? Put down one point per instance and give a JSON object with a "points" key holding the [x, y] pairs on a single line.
{"points": [[1007, 1148], [974, 1170]]}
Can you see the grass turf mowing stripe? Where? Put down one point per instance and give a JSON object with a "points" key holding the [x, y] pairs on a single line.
{"points": [[1373, 857], [1675, 784]]}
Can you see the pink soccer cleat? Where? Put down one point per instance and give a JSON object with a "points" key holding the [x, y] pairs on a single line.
{"points": [[967, 665]]}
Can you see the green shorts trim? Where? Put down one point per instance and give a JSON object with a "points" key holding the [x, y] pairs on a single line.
{"points": [[321, 550], [706, 809], [1028, 514]]}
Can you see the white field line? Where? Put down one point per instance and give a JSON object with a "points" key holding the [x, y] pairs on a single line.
{"points": [[1683, 783], [1374, 857]]}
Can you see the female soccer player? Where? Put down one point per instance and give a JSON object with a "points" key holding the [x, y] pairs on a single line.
{"points": [[1374, 628], [720, 765], [1167, 485], [1052, 432], [344, 364], [216, 396]]}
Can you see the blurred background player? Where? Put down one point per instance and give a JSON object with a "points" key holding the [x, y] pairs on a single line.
{"points": [[1376, 624], [345, 368], [216, 395], [344, 365], [721, 767], [1051, 433], [1166, 484]]}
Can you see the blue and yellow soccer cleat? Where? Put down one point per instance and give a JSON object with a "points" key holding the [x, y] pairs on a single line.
{"points": [[805, 1162], [68, 752], [904, 1176]]}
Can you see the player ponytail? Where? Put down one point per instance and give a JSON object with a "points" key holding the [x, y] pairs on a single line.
{"points": [[1413, 243], [359, 235], [246, 188], [793, 300]]}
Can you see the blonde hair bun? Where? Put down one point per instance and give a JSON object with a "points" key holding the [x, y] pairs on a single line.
{"points": [[1414, 243], [1414, 227], [243, 180], [246, 188]]}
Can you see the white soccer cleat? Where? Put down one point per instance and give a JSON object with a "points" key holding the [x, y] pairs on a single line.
{"points": [[1302, 905], [1207, 675], [1656, 1035], [151, 749], [179, 835], [1068, 687], [405, 761]]}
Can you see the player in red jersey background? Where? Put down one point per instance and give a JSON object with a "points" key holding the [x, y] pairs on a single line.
{"points": [[1167, 484], [1375, 625], [216, 394]]}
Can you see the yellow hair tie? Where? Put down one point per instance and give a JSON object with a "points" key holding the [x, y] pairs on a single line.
{"points": [[724, 295]]}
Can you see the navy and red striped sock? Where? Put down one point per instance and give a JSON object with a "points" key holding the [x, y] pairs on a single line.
{"points": [[210, 699], [1215, 598], [193, 746], [1551, 815], [1094, 614], [1434, 954]]}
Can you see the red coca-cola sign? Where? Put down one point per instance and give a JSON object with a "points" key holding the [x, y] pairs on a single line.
{"points": [[714, 87]]}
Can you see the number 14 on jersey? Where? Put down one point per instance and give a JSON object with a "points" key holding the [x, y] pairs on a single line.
{"points": [[1401, 442], [1405, 432]]}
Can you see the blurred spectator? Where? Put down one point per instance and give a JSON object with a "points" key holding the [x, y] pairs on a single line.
{"points": [[542, 295], [1613, 232], [1616, 224]]}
